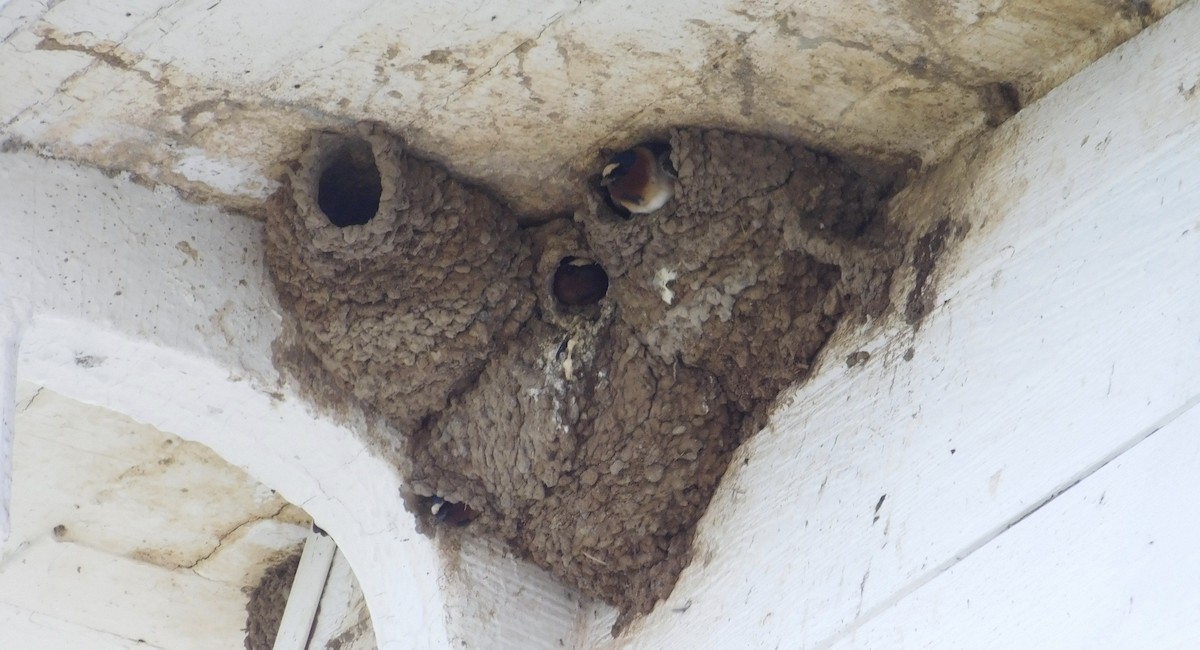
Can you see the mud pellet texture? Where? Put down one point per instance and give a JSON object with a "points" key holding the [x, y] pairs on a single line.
{"points": [[588, 438]]}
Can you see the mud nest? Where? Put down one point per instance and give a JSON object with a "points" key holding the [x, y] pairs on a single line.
{"points": [[588, 435], [264, 611]]}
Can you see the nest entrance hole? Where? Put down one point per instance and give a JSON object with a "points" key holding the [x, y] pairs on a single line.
{"points": [[349, 187], [579, 281]]}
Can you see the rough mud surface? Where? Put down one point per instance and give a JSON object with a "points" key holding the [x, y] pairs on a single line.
{"points": [[265, 609], [401, 311], [589, 439], [746, 273]]}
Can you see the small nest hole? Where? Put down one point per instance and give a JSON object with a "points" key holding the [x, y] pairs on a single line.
{"points": [[349, 188], [579, 281]]}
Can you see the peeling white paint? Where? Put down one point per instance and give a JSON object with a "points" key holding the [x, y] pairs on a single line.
{"points": [[236, 177], [520, 95], [129, 531]]}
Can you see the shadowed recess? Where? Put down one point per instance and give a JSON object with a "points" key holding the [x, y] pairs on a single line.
{"points": [[349, 187], [579, 281]]}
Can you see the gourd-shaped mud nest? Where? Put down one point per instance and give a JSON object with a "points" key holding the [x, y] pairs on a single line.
{"points": [[575, 389]]}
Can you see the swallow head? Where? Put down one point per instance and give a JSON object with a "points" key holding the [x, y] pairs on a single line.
{"points": [[450, 513], [640, 180]]}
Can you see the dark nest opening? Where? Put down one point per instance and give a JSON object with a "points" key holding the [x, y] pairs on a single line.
{"points": [[579, 281], [349, 187]]}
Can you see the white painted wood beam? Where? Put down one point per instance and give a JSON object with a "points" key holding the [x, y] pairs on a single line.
{"points": [[1110, 563], [305, 594], [153, 307], [9, 335]]}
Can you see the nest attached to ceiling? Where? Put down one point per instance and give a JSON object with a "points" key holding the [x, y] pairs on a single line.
{"points": [[585, 425]]}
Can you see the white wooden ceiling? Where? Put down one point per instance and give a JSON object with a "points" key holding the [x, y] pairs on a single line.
{"points": [[520, 95]]}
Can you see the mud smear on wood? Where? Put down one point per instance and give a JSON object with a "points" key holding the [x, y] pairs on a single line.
{"points": [[928, 250]]}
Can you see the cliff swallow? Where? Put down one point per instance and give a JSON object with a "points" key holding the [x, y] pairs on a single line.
{"points": [[579, 281], [640, 180], [450, 513]]}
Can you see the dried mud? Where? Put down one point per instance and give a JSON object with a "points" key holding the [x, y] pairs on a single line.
{"points": [[264, 610], [591, 438]]}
